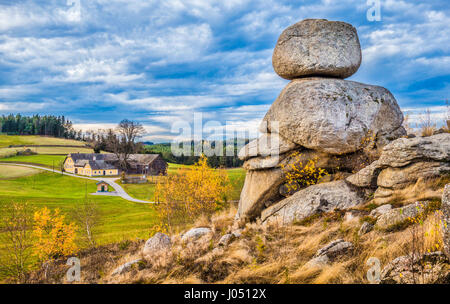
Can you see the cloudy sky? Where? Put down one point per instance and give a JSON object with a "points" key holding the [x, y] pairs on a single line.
{"points": [[159, 61]]}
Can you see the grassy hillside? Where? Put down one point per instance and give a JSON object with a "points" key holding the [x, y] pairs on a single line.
{"points": [[121, 219], [52, 145], [7, 172], [45, 160], [7, 140]]}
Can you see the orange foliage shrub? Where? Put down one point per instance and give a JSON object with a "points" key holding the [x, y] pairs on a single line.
{"points": [[189, 193], [299, 174], [54, 237]]}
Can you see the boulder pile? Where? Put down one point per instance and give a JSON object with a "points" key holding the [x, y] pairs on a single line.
{"points": [[318, 115]]}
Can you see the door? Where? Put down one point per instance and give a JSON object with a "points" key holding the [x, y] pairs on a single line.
{"points": [[76, 171], [103, 188], [104, 172]]}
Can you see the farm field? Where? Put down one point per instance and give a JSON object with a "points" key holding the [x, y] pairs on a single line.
{"points": [[7, 140], [121, 219], [7, 172], [5, 152], [42, 159]]}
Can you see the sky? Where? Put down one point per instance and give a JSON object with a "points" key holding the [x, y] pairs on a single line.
{"points": [[160, 61]]}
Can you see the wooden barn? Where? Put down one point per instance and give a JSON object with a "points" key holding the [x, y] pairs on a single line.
{"points": [[147, 164]]}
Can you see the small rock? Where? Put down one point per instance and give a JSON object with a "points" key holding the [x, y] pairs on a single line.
{"points": [[319, 261], [237, 233], [159, 242], [335, 249], [125, 267], [195, 233], [365, 228], [380, 210], [226, 239], [399, 215]]}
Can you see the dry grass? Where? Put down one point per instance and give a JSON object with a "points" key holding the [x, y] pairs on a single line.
{"points": [[273, 255]]}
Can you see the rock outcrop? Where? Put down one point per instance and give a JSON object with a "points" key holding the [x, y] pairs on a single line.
{"points": [[403, 162], [340, 124], [317, 47], [398, 216], [318, 198], [429, 268], [446, 219]]}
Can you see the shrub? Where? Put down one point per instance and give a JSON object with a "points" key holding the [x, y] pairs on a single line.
{"points": [[190, 193], [299, 174], [54, 238]]}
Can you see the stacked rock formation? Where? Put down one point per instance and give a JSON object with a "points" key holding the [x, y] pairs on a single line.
{"points": [[322, 116]]}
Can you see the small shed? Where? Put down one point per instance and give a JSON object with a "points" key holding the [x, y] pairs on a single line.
{"points": [[102, 186]]}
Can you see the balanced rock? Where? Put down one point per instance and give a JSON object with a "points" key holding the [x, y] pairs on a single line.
{"points": [[317, 47], [446, 219], [332, 115], [314, 199]]}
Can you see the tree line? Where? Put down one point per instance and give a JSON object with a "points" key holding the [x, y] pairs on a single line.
{"points": [[214, 161], [48, 125]]}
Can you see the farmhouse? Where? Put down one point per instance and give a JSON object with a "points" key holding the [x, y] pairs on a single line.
{"points": [[90, 164], [96, 164]]}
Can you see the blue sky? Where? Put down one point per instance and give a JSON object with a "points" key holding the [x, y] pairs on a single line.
{"points": [[157, 62]]}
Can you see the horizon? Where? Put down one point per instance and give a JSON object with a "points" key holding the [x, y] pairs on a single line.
{"points": [[156, 63]]}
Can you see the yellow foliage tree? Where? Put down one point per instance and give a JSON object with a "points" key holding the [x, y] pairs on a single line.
{"points": [[189, 193], [54, 237], [300, 174]]}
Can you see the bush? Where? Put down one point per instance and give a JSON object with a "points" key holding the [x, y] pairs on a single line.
{"points": [[54, 238], [299, 174], [189, 193]]}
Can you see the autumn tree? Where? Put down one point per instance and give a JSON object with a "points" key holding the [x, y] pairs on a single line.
{"points": [[189, 193], [54, 238], [16, 238], [122, 140]]}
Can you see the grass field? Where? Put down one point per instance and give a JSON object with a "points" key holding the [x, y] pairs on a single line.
{"points": [[6, 140], [8, 172], [6, 152], [121, 219], [45, 160]]}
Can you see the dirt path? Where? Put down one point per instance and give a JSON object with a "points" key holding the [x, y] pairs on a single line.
{"points": [[111, 181]]}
